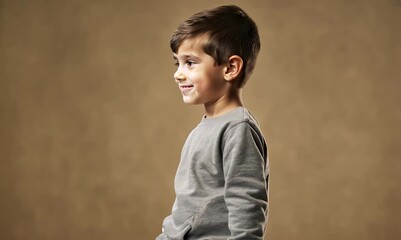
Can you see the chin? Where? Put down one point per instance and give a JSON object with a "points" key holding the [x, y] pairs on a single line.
{"points": [[190, 102], [187, 100]]}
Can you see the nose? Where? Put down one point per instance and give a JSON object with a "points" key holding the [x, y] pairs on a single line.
{"points": [[179, 75]]}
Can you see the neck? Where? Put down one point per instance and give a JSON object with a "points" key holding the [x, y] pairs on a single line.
{"points": [[225, 104]]}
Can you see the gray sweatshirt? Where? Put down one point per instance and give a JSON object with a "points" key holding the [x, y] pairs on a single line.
{"points": [[221, 182]]}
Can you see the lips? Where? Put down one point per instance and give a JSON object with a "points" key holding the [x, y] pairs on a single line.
{"points": [[186, 86]]}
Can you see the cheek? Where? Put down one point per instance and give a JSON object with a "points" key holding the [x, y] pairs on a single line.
{"points": [[196, 79]]}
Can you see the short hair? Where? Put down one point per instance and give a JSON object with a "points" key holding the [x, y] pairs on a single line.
{"points": [[230, 31]]}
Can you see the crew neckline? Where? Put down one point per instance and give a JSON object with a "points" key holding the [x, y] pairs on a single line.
{"points": [[235, 110]]}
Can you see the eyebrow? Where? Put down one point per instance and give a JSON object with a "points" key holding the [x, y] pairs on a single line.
{"points": [[185, 56]]}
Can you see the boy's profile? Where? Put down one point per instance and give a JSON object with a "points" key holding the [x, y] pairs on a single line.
{"points": [[221, 182]]}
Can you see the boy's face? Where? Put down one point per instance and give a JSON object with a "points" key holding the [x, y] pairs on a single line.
{"points": [[200, 80]]}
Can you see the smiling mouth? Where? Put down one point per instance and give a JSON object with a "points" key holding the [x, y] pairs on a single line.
{"points": [[186, 89], [186, 86]]}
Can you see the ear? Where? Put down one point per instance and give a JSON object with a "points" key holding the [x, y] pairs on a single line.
{"points": [[233, 68]]}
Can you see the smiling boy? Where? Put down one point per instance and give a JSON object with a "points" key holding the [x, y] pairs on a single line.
{"points": [[221, 183]]}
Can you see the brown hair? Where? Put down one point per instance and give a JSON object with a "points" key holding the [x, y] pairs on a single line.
{"points": [[231, 32]]}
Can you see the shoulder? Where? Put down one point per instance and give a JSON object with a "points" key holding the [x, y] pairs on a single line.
{"points": [[243, 139], [244, 121], [242, 129]]}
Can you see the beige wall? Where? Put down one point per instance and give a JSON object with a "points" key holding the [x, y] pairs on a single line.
{"points": [[92, 125]]}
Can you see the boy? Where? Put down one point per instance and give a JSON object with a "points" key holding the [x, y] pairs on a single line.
{"points": [[221, 182]]}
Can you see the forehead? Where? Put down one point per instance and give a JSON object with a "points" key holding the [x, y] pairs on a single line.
{"points": [[192, 46]]}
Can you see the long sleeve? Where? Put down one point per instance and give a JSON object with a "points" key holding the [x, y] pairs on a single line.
{"points": [[221, 184], [246, 174]]}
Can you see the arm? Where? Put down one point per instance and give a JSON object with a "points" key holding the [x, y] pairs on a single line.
{"points": [[246, 175]]}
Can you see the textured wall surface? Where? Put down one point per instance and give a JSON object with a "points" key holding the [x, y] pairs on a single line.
{"points": [[92, 124]]}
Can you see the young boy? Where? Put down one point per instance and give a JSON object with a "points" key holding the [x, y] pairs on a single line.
{"points": [[221, 182]]}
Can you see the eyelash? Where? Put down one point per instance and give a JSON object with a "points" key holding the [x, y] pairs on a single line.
{"points": [[189, 63]]}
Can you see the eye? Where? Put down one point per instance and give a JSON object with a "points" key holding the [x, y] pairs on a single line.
{"points": [[176, 63], [189, 63]]}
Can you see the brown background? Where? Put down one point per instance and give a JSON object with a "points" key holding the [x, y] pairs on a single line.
{"points": [[92, 123]]}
